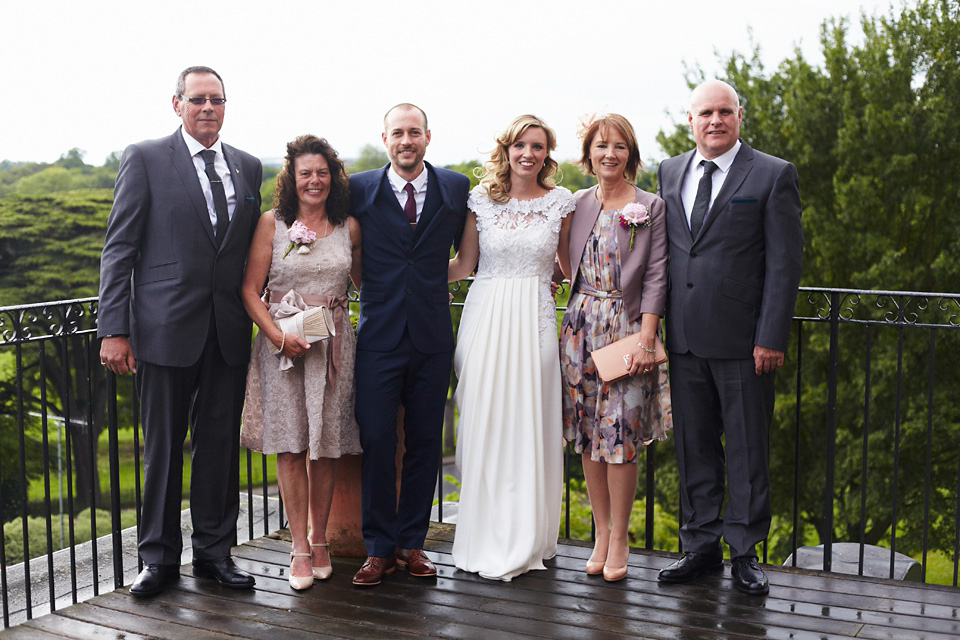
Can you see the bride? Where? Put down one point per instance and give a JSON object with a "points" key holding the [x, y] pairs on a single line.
{"points": [[509, 437]]}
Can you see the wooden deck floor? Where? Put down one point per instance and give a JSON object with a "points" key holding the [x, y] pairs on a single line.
{"points": [[562, 602]]}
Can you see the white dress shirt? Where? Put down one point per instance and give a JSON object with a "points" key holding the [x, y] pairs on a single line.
{"points": [[419, 188], [220, 166], [695, 171]]}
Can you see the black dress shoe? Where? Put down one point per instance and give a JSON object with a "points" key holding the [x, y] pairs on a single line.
{"points": [[151, 580], [692, 565], [223, 571], [748, 577]]}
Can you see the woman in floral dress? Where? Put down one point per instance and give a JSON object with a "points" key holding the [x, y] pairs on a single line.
{"points": [[618, 253]]}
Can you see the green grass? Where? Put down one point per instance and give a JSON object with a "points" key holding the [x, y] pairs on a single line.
{"points": [[35, 491], [37, 532]]}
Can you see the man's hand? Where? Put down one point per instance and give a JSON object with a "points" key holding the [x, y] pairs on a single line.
{"points": [[116, 354], [766, 360]]}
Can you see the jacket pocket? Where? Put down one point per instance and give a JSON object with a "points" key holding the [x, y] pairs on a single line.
{"points": [[742, 292], [157, 273]]}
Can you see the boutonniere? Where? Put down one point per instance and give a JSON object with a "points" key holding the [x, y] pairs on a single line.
{"points": [[635, 215], [301, 236]]}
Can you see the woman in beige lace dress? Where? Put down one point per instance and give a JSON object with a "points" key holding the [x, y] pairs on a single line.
{"points": [[299, 402]]}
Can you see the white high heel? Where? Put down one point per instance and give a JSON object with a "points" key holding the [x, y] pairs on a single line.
{"points": [[299, 583], [321, 573]]}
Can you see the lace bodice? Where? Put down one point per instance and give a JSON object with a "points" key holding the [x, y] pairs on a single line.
{"points": [[518, 239]]}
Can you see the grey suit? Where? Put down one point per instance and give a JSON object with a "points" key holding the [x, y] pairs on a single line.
{"points": [[731, 288], [165, 283]]}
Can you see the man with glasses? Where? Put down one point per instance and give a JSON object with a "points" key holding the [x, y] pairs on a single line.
{"points": [[184, 212]]}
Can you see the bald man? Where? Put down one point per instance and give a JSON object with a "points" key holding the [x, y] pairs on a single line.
{"points": [[736, 249]]}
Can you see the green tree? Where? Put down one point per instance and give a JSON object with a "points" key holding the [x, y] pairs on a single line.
{"points": [[370, 157], [50, 250], [470, 168], [874, 133], [72, 159]]}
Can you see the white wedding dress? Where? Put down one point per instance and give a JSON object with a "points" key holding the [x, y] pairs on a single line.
{"points": [[510, 432]]}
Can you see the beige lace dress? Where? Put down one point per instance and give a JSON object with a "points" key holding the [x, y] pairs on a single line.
{"points": [[297, 410]]}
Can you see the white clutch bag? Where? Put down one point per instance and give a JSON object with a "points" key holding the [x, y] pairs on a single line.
{"points": [[311, 325]]}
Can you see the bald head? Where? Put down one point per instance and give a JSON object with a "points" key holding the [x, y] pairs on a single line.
{"points": [[715, 115]]}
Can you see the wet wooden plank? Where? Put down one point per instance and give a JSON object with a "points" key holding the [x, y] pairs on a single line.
{"points": [[29, 631], [63, 627], [584, 610], [562, 602], [150, 627]]}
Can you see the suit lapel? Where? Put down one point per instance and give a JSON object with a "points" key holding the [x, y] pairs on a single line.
{"points": [[239, 190], [434, 206], [401, 228], [741, 166], [673, 176], [183, 163]]}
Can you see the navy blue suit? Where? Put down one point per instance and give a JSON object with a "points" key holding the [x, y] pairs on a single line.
{"points": [[404, 349]]}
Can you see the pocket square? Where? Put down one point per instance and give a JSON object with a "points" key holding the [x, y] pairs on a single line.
{"points": [[249, 198]]}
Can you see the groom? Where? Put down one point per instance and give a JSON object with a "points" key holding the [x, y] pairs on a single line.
{"points": [[410, 213]]}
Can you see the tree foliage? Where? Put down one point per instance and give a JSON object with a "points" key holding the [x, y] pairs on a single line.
{"points": [[370, 157]]}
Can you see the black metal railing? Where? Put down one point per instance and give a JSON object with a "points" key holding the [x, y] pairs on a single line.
{"points": [[865, 445]]}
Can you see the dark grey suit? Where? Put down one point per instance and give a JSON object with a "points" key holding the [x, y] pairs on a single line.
{"points": [[165, 283], [731, 288]]}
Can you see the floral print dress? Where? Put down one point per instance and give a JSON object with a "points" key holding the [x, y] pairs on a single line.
{"points": [[612, 421]]}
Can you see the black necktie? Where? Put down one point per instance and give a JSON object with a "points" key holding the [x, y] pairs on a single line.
{"points": [[219, 195], [702, 201]]}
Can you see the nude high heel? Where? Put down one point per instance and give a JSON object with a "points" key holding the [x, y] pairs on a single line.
{"points": [[614, 575], [321, 573], [594, 568], [299, 583]]}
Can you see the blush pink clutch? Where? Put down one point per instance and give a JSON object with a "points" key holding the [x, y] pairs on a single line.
{"points": [[611, 360]]}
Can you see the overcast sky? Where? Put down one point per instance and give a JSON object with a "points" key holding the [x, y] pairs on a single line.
{"points": [[100, 74]]}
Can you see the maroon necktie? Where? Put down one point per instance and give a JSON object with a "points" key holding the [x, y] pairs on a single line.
{"points": [[410, 207]]}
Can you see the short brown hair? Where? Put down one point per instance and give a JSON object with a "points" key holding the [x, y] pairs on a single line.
{"points": [[600, 126]]}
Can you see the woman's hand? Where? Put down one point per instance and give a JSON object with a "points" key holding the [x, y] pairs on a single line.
{"points": [[644, 355], [641, 360], [290, 345]]}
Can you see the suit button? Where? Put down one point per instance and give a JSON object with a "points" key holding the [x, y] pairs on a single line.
{"points": [[693, 254], [410, 261], [689, 285], [409, 291]]}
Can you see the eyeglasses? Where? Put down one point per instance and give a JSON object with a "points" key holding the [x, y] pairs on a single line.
{"points": [[200, 101]]}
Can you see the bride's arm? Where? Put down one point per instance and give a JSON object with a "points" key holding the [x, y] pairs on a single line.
{"points": [[469, 252]]}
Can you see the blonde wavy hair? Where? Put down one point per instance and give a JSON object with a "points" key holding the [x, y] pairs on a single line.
{"points": [[495, 178]]}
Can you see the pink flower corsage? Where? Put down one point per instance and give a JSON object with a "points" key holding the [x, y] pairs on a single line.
{"points": [[301, 236], [635, 215]]}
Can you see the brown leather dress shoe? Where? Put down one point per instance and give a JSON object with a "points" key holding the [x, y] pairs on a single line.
{"points": [[416, 562], [373, 570]]}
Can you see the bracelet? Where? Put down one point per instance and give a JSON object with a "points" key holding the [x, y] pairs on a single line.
{"points": [[283, 341], [640, 344]]}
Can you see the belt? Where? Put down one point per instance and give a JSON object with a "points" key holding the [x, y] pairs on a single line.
{"points": [[587, 290], [336, 305]]}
